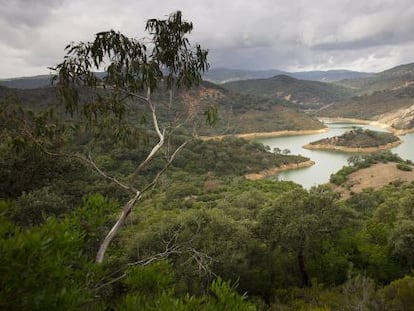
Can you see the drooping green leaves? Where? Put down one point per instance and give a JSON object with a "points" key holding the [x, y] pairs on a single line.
{"points": [[131, 66]]}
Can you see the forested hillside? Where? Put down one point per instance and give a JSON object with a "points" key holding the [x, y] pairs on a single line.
{"points": [[386, 97], [306, 93], [393, 78], [282, 245], [391, 107], [240, 113], [237, 113]]}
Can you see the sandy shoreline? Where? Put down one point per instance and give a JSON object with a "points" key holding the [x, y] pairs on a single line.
{"points": [[275, 170], [352, 150], [255, 135]]}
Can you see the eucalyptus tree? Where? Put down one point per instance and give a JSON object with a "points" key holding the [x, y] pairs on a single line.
{"points": [[134, 70]]}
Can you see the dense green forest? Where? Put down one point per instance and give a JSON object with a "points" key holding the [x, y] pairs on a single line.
{"points": [[193, 233], [286, 248]]}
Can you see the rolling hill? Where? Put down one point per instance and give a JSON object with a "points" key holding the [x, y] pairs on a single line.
{"points": [[223, 75], [215, 75], [238, 113], [303, 92], [388, 97], [241, 113], [394, 78], [275, 103], [27, 82]]}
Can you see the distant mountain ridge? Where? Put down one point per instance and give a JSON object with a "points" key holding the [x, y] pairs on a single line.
{"points": [[224, 75], [27, 82], [215, 75]]}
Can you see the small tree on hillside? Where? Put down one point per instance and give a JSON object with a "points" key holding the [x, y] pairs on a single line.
{"points": [[134, 70]]}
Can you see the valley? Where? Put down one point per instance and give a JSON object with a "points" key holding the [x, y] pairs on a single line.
{"points": [[243, 201], [142, 170]]}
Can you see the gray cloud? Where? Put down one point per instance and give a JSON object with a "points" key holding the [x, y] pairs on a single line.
{"points": [[367, 35]]}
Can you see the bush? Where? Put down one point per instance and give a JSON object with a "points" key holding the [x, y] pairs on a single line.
{"points": [[398, 295], [35, 206], [404, 167], [43, 268]]}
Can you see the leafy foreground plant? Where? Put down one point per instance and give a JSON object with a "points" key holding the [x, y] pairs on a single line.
{"points": [[48, 267]]}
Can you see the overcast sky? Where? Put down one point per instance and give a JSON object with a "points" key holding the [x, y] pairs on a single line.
{"points": [[292, 35]]}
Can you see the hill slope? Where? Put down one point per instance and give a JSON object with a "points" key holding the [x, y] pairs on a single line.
{"points": [[215, 75], [388, 98], [328, 75], [27, 82], [294, 90], [247, 114], [394, 78], [238, 113]]}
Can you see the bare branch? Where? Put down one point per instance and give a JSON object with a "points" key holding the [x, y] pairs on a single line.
{"points": [[116, 181], [155, 180], [79, 157], [203, 261]]}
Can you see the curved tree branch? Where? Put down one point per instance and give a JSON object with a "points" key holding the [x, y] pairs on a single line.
{"points": [[129, 206]]}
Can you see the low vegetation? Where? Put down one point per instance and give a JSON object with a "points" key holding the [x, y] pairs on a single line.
{"points": [[404, 167]]}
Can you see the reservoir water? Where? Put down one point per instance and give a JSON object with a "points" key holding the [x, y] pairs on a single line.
{"points": [[326, 162]]}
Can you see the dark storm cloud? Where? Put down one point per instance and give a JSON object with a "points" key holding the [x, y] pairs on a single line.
{"points": [[365, 35]]}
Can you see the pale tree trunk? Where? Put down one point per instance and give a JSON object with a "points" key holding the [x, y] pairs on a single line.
{"points": [[129, 207], [117, 226], [137, 194]]}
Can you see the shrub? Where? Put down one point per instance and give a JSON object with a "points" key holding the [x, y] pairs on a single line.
{"points": [[404, 167]]}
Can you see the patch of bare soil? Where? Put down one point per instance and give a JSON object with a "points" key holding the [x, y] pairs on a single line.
{"points": [[375, 176]]}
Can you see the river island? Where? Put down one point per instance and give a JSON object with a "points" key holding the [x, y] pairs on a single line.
{"points": [[357, 141]]}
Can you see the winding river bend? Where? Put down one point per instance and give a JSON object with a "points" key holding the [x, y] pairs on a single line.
{"points": [[326, 162]]}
